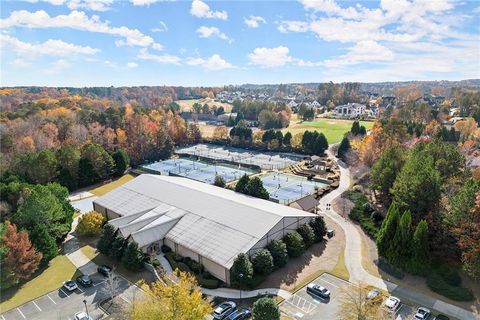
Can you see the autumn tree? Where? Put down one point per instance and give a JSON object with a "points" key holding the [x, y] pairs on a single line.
{"points": [[90, 224], [220, 133], [467, 128], [182, 300], [354, 305], [21, 259]]}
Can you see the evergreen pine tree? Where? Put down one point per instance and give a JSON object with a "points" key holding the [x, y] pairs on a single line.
{"points": [[400, 252], [420, 262], [343, 148], [132, 257], [105, 242], [387, 231], [242, 184]]}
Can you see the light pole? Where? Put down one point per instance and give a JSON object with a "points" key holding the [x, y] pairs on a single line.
{"points": [[240, 276], [86, 309]]}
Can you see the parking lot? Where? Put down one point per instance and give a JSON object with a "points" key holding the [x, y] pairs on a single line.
{"points": [[62, 304], [302, 305]]}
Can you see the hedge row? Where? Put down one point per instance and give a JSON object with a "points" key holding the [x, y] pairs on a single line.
{"points": [[440, 285]]}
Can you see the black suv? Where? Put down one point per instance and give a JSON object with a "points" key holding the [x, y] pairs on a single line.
{"points": [[85, 280], [104, 270]]}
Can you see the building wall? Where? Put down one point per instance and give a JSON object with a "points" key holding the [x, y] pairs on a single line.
{"points": [[286, 225], [214, 268], [109, 214]]}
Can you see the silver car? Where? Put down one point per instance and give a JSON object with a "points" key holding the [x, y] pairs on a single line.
{"points": [[224, 309]]}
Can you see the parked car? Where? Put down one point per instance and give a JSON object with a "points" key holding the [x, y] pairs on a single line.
{"points": [[224, 310], [392, 303], [372, 294], [318, 291], [422, 313], [441, 317], [105, 270], [85, 280], [70, 285], [240, 314], [82, 316]]}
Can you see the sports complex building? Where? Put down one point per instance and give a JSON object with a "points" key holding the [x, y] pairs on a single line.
{"points": [[211, 225]]}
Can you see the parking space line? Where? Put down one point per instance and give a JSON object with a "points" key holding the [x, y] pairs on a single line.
{"points": [[64, 293], [96, 284], [3, 318], [36, 305], [329, 283], [80, 289], [51, 299], [21, 313]]}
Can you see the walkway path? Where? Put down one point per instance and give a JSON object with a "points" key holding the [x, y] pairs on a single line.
{"points": [[235, 294], [353, 255]]}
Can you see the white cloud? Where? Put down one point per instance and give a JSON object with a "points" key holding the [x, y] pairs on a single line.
{"points": [[164, 58], [132, 65], [143, 2], [293, 26], [207, 32], [75, 20], [51, 47], [254, 21], [363, 51], [94, 5], [157, 46], [270, 57], [58, 66], [215, 62], [200, 9], [20, 63], [163, 27]]}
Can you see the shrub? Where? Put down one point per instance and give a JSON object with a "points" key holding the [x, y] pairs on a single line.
{"points": [[208, 283], [265, 309], [207, 275], [319, 228], [156, 263], [262, 262], [90, 224], [183, 267], [450, 275], [437, 284], [307, 234], [166, 249], [278, 250], [177, 258], [295, 244], [195, 266], [242, 270]]}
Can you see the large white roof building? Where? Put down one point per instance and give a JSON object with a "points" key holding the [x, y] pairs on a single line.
{"points": [[209, 224]]}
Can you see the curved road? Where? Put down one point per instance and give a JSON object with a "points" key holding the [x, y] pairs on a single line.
{"points": [[353, 254]]}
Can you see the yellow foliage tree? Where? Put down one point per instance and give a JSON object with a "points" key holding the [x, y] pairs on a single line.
{"points": [[354, 305], [90, 224], [467, 128], [181, 300]]}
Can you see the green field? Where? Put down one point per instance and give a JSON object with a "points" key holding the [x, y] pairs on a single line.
{"points": [[333, 129]]}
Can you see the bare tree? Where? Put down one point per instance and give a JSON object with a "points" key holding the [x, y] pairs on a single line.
{"points": [[112, 286]]}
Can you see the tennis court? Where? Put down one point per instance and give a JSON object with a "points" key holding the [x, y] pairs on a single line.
{"points": [[287, 188], [197, 170], [263, 160]]}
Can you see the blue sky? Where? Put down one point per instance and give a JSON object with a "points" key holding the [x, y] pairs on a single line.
{"points": [[194, 43]]}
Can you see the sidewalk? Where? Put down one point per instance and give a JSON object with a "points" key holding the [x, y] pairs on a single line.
{"points": [[235, 294]]}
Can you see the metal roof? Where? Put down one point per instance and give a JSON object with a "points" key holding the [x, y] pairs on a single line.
{"points": [[215, 222]]}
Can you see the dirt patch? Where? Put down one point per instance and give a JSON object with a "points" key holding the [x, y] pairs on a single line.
{"points": [[321, 256]]}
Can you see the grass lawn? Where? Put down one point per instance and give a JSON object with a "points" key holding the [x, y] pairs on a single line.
{"points": [[100, 191], [333, 129], [340, 270], [185, 105], [51, 278]]}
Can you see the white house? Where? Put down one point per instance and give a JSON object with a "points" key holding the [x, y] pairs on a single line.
{"points": [[350, 110]]}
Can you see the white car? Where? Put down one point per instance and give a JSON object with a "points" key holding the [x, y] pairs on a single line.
{"points": [[392, 304], [422, 313], [82, 316], [70, 285]]}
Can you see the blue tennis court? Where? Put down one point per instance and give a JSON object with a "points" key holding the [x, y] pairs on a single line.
{"points": [[197, 170], [287, 188]]}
